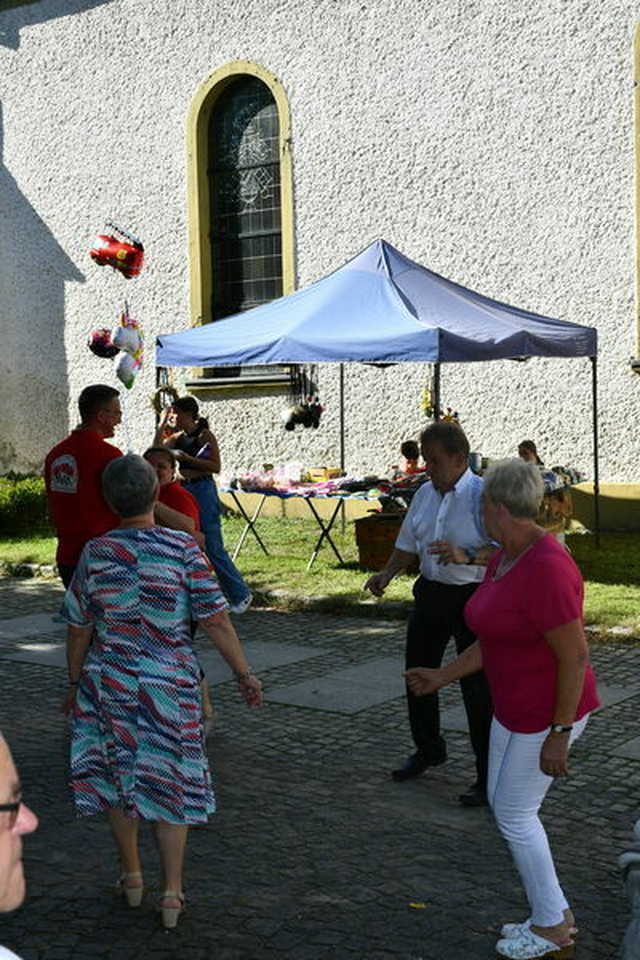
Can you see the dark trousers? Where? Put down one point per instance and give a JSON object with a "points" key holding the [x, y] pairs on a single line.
{"points": [[437, 616], [66, 572]]}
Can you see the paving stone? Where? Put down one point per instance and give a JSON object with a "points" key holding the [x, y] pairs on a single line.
{"points": [[30, 625], [629, 749], [315, 853], [348, 690]]}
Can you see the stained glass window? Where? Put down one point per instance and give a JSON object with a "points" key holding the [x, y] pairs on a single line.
{"points": [[244, 174]]}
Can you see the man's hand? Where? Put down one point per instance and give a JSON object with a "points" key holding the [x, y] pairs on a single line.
{"points": [[421, 680], [447, 553], [554, 755], [378, 583]]}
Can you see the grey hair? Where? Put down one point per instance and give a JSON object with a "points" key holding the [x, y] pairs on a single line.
{"points": [[129, 485], [515, 484]]}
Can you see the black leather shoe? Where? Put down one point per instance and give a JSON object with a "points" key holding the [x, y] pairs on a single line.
{"points": [[416, 765], [476, 796]]}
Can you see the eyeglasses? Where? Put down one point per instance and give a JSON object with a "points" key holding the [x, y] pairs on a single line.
{"points": [[12, 809]]}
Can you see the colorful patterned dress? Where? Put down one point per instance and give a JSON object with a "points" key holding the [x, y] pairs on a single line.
{"points": [[137, 740]]}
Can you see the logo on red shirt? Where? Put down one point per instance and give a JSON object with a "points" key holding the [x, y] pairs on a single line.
{"points": [[64, 474]]}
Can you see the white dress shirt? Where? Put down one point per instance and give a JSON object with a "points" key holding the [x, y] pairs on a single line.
{"points": [[6, 954], [456, 517]]}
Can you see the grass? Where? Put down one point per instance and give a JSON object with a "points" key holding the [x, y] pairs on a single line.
{"points": [[38, 549], [612, 573]]}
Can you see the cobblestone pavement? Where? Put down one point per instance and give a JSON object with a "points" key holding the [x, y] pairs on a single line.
{"points": [[315, 853]]}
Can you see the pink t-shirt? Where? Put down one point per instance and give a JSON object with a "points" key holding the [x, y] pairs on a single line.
{"points": [[510, 616]]}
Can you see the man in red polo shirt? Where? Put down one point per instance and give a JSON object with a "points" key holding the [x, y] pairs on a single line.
{"points": [[73, 478]]}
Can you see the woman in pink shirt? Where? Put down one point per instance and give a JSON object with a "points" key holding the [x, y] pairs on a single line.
{"points": [[527, 615]]}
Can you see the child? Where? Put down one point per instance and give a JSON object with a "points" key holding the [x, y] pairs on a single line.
{"points": [[410, 454]]}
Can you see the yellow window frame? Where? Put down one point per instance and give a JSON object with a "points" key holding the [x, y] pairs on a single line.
{"points": [[201, 274]]}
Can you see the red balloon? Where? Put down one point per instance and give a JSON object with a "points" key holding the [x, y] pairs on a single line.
{"points": [[101, 344]]}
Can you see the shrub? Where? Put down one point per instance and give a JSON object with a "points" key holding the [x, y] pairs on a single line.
{"points": [[23, 505]]}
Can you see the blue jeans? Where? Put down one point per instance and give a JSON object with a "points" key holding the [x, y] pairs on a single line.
{"points": [[229, 577]]}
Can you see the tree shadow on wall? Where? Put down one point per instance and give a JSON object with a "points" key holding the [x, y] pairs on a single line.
{"points": [[33, 364], [15, 14]]}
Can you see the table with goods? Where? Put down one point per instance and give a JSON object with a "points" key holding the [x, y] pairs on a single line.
{"points": [[377, 532]]}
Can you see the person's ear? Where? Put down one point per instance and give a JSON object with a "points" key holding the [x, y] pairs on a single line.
{"points": [[502, 512]]}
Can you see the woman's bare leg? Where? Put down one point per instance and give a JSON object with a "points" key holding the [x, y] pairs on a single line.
{"points": [[172, 840], [125, 833]]}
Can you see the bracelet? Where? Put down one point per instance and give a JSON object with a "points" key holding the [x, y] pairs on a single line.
{"points": [[243, 676], [74, 683]]}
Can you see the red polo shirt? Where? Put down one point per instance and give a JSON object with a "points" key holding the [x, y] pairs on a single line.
{"points": [[175, 496], [73, 478]]}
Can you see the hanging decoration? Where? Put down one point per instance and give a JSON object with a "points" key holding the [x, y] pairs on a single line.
{"points": [[124, 255], [127, 336], [101, 344], [448, 414], [124, 341], [305, 409], [164, 397]]}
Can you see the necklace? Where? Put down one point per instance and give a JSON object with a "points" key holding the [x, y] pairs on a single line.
{"points": [[507, 563]]}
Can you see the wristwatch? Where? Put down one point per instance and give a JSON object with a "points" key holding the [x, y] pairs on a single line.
{"points": [[560, 728]]}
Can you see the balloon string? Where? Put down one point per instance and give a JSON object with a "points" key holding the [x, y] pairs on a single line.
{"points": [[125, 420]]}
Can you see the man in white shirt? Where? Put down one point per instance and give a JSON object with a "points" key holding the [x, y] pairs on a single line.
{"points": [[444, 528], [16, 819]]}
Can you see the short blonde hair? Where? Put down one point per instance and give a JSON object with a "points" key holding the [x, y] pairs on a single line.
{"points": [[515, 484]]}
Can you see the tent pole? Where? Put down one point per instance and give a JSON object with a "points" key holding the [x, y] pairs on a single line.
{"points": [[436, 391], [596, 472], [342, 416], [342, 517]]}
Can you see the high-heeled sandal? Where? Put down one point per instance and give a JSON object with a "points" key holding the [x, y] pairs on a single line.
{"points": [[510, 930], [170, 914], [527, 945], [132, 893]]}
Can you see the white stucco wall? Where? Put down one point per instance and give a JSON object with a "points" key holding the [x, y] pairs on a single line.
{"points": [[494, 146]]}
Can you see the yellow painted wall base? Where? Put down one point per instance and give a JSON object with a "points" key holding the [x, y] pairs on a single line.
{"points": [[619, 505]]}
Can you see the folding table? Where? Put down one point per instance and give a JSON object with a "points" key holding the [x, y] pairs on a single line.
{"points": [[286, 494]]}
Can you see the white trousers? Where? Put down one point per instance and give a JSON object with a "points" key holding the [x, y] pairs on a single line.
{"points": [[516, 787]]}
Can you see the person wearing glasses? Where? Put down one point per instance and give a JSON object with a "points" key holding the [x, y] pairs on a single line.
{"points": [[73, 471], [16, 819]]}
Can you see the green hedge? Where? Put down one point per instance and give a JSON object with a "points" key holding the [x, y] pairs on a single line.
{"points": [[23, 505]]}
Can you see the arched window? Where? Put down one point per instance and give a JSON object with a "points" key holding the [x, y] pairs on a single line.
{"points": [[240, 202], [244, 184]]}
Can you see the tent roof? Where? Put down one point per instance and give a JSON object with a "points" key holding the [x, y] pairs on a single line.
{"points": [[382, 307]]}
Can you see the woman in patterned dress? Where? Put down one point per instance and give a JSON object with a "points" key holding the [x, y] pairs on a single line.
{"points": [[137, 749]]}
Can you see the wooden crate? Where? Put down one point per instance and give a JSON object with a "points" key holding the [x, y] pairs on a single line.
{"points": [[376, 537]]}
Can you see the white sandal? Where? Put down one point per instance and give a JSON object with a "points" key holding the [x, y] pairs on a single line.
{"points": [[527, 945], [170, 914], [510, 930], [131, 893]]}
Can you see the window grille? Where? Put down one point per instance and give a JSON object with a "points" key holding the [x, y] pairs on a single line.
{"points": [[246, 232]]}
